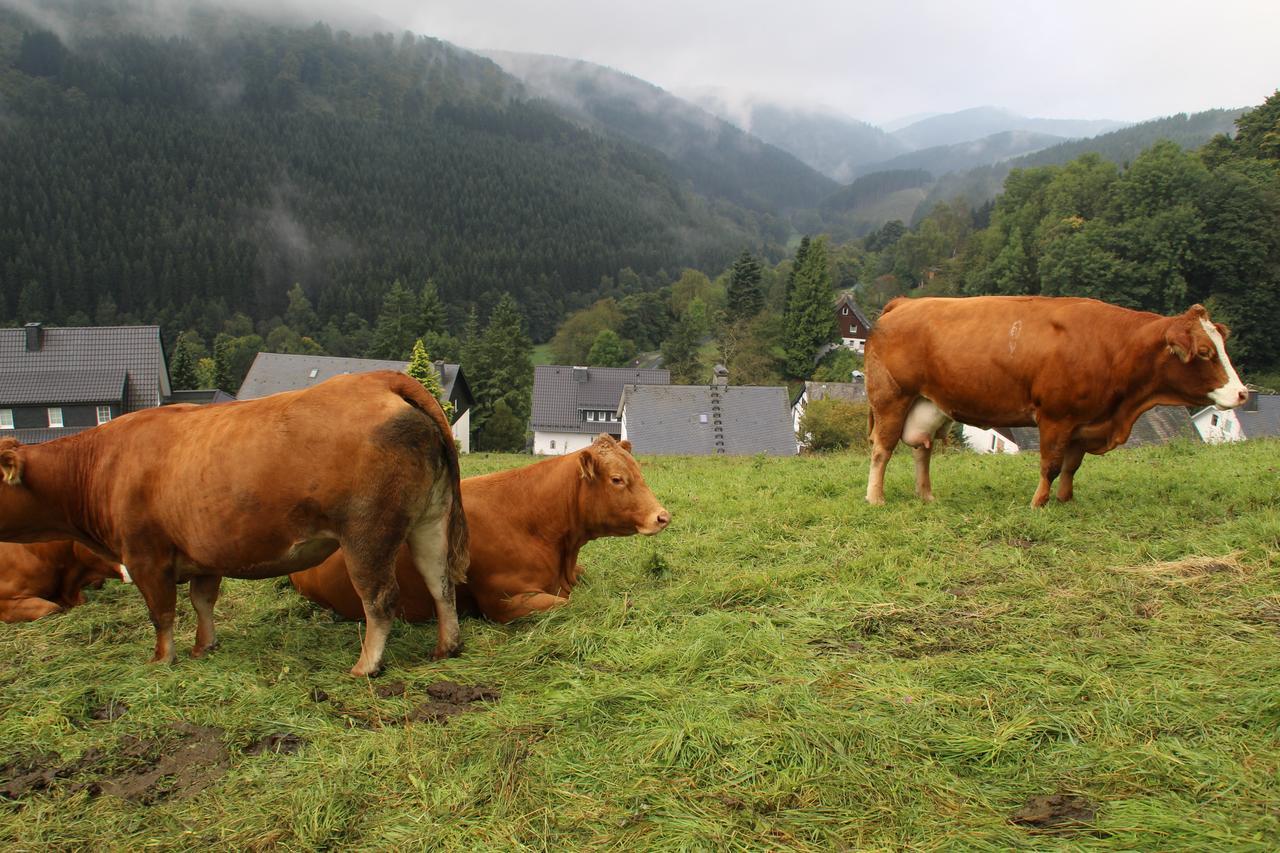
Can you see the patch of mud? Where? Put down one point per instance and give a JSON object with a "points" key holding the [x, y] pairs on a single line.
{"points": [[318, 695], [449, 699], [278, 743], [112, 710], [28, 774], [1055, 814], [1021, 542], [386, 691], [166, 767]]}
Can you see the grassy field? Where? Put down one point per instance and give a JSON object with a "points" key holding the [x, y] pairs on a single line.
{"points": [[785, 668]]}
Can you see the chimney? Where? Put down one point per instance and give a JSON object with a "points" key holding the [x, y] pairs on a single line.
{"points": [[721, 375], [579, 374], [35, 337]]}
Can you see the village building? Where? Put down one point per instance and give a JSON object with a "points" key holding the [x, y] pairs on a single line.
{"points": [[851, 392], [1259, 417], [851, 323], [272, 372], [572, 405], [707, 420], [59, 381], [1160, 425]]}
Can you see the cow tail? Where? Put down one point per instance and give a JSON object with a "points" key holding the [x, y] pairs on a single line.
{"points": [[459, 554]]}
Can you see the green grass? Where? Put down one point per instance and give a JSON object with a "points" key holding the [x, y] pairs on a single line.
{"points": [[785, 668], [542, 354]]}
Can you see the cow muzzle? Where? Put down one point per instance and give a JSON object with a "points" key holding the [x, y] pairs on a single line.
{"points": [[1229, 396], [657, 523]]}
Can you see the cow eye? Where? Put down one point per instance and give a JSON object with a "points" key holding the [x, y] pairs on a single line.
{"points": [[1205, 352], [616, 480]]}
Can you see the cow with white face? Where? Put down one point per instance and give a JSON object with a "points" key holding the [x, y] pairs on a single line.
{"points": [[1081, 370]]}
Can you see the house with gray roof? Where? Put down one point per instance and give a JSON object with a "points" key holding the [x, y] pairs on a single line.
{"points": [[850, 392], [58, 381], [707, 420], [572, 405], [1160, 425], [273, 372], [1259, 417]]}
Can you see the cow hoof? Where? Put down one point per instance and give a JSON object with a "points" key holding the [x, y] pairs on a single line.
{"points": [[879, 501], [158, 660], [201, 651], [448, 652], [366, 672]]}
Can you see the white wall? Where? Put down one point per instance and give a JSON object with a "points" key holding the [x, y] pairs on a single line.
{"points": [[462, 431], [1226, 428], [858, 345], [987, 440], [565, 442]]}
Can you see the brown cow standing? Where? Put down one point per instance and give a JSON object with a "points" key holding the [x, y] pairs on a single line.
{"points": [[40, 578], [257, 489], [527, 526], [1082, 370]]}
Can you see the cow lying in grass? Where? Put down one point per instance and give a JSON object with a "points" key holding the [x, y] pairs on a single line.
{"points": [[527, 526], [41, 578], [1081, 370], [257, 489]]}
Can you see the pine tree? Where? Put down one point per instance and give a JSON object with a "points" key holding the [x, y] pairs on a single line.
{"points": [[744, 294], [810, 317], [300, 316], [431, 313], [396, 330], [222, 369], [424, 370], [182, 367], [802, 254], [499, 365]]}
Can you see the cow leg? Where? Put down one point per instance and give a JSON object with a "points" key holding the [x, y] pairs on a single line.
{"points": [[924, 487], [204, 594], [886, 432], [27, 609], [373, 574], [1070, 464], [1054, 441], [161, 594], [429, 545]]}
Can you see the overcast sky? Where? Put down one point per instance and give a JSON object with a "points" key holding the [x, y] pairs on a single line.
{"points": [[877, 61]]}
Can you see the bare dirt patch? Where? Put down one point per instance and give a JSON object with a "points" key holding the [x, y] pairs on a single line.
{"points": [[27, 774], [1055, 814], [112, 710], [449, 699], [167, 767], [278, 743]]}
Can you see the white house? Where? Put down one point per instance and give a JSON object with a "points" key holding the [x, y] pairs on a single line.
{"points": [[1257, 418], [1155, 426], [572, 405], [982, 440]]}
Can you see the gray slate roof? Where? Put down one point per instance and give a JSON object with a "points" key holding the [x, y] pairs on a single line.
{"points": [[82, 360], [273, 372], [40, 436], [1265, 421], [37, 387], [1154, 426], [200, 396], [668, 419], [559, 398]]}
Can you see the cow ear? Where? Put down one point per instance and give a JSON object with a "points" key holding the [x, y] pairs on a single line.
{"points": [[1180, 341], [587, 464], [625, 444], [10, 467], [1222, 330]]}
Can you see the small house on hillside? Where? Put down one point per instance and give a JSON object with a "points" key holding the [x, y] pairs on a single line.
{"points": [[272, 372], [56, 381], [852, 392], [1160, 425], [1259, 417], [707, 420], [572, 405], [852, 323]]}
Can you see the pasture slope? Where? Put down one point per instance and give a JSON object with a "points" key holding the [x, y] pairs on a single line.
{"points": [[786, 668]]}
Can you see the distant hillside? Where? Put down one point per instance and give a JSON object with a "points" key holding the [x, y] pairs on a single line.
{"points": [[943, 159], [717, 158], [869, 189], [834, 144], [980, 122], [1121, 146]]}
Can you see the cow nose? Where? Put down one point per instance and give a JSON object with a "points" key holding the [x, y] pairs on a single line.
{"points": [[664, 518], [1243, 397]]}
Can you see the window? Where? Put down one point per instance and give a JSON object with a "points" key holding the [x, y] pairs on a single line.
{"points": [[6, 418], [845, 310], [55, 417], [313, 372], [553, 444], [591, 416], [104, 414], [1213, 420]]}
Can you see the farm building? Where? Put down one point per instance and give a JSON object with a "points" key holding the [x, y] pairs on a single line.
{"points": [[706, 420], [56, 381], [572, 405], [1155, 426], [272, 372], [1259, 417]]}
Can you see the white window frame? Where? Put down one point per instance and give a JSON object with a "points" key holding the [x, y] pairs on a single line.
{"points": [[6, 418], [55, 417], [104, 415]]}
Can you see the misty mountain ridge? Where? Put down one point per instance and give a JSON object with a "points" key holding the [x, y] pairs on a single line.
{"points": [[943, 159], [980, 122], [716, 157]]}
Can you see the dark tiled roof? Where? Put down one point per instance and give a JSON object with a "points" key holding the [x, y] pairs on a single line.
{"points": [[39, 436], [559, 398], [37, 387], [669, 419], [93, 350], [1154, 426], [854, 392], [200, 396], [273, 372], [1262, 422]]}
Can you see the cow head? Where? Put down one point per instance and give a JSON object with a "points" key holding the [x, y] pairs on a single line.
{"points": [[1197, 367], [10, 462], [614, 499]]}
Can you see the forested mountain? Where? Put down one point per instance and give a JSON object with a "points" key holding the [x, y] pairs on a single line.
{"points": [[979, 122], [942, 159], [718, 159], [834, 144], [180, 179]]}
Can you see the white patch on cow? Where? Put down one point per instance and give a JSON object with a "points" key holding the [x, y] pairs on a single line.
{"points": [[1228, 396], [124, 574], [1014, 331], [923, 422]]}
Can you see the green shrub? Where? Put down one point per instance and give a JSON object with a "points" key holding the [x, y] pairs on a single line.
{"points": [[834, 425]]}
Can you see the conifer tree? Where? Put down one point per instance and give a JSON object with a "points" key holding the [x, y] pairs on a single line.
{"points": [[182, 367], [396, 330], [744, 294], [431, 313], [424, 370], [810, 317]]}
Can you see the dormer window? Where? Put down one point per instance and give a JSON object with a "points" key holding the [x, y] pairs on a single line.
{"points": [[55, 417], [6, 418], [104, 414]]}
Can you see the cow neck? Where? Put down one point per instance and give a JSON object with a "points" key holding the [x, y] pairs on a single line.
{"points": [[58, 474], [1142, 385]]}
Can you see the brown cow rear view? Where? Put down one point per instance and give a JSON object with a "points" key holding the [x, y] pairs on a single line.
{"points": [[527, 526], [1082, 370], [41, 578], [257, 489]]}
